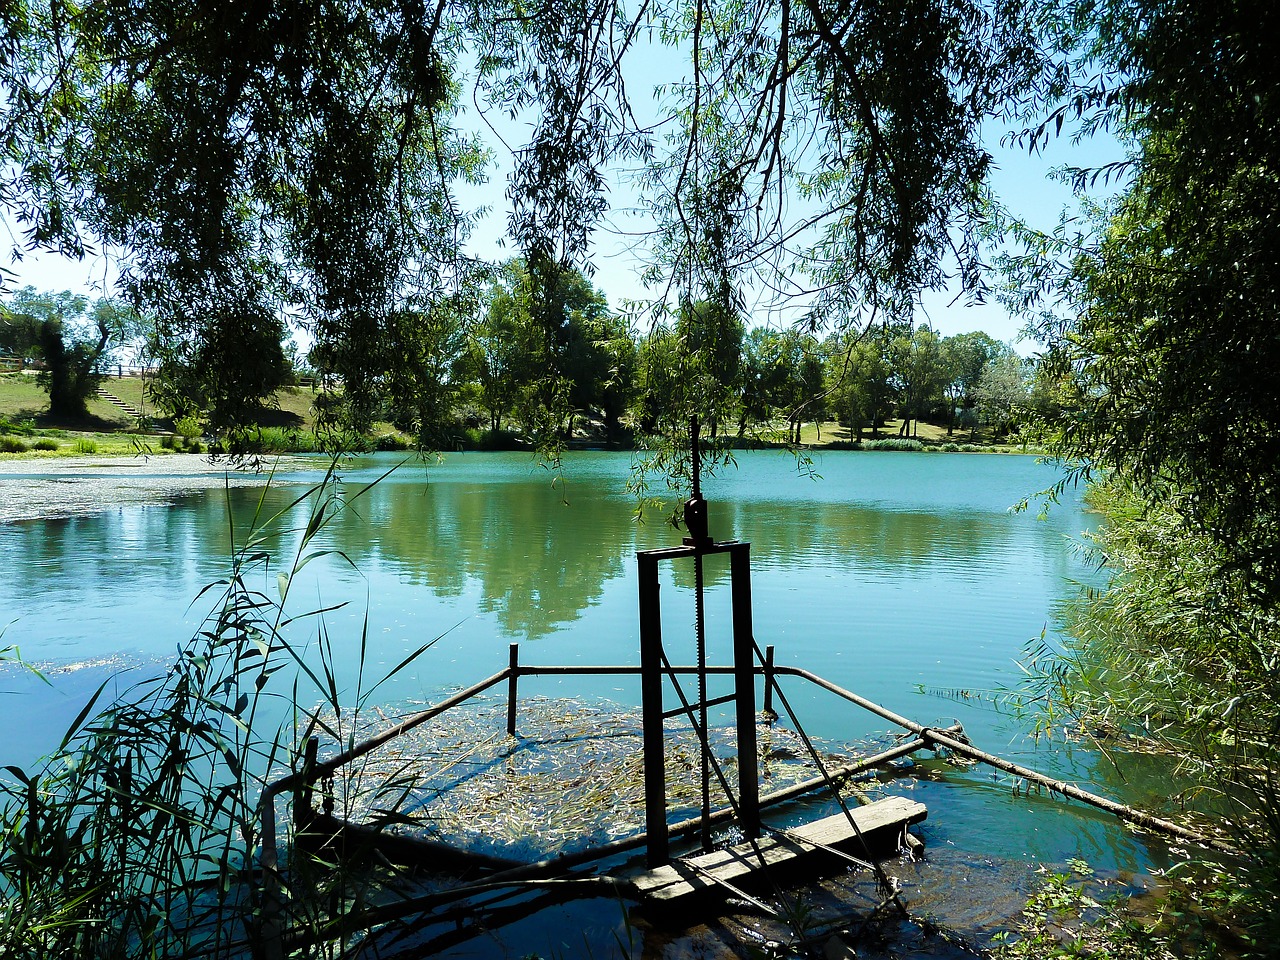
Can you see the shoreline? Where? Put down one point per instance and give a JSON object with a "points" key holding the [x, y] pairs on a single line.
{"points": [[60, 487]]}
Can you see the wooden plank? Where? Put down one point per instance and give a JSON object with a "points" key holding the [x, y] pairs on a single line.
{"points": [[879, 823]]}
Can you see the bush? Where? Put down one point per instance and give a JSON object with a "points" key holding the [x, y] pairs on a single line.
{"points": [[169, 442], [951, 447], [391, 441], [894, 443], [44, 443], [188, 427], [22, 428], [495, 440], [12, 445], [86, 445], [270, 440]]}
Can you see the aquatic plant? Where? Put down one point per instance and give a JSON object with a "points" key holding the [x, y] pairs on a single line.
{"points": [[1176, 658]]}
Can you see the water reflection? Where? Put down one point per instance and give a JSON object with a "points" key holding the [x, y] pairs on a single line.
{"points": [[496, 532], [904, 577]]}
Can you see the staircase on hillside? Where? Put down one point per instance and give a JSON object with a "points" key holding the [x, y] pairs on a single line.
{"points": [[124, 407]]}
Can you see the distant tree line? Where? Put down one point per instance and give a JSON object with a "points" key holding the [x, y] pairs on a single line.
{"points": [[543, 356]]}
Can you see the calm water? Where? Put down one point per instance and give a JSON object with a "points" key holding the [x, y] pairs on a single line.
{"points": [[902, 576]]}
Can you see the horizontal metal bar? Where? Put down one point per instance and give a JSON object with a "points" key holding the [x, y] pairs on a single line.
{"points": [[681, 711], [688, 550], [616, 670]]}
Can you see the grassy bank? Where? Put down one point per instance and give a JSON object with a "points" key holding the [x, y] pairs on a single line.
{"points": [[288, 424]]}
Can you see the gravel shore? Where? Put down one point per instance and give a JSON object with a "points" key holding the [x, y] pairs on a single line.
{"points": [[73, 486]]}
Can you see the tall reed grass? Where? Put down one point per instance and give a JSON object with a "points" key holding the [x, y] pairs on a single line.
{"points": [[140, 836]]}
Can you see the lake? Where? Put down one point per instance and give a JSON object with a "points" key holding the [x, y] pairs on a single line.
{"points": [[905, 577]]}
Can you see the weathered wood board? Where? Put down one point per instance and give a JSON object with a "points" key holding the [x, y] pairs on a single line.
{"points": [[880, 823]]}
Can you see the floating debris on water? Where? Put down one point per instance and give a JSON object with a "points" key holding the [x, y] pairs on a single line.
{"points": [[570, 780]]}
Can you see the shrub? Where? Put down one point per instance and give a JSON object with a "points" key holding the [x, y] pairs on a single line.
{"points": [[391, 441], [44, 443], [951, 447], [12, 445], [894, 443], [269, 440], [188, 427], [495, 440], [20, 428], [169, 442], [86, 445]]}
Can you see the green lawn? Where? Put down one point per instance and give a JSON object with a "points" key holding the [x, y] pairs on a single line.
{"points": [[22, 399], [108, 430]]}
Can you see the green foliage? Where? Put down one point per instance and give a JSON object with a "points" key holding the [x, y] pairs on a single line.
{"points": [[45, 443], [228, 369], [391, 442], [904, 444], [1063, 920], [1177, 657], [423, 369], [1001, 395], [10, 444], [917, 361], [782, 373], [188, 427], [276, 440], [548, 352], [86, 445], [21, 429], [1162, 315]]}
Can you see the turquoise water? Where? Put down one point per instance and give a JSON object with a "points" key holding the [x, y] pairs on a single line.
{"points": [[905, 577]]}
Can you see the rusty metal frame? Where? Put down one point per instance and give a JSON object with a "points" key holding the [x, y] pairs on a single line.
{"points": [[654, 667]]}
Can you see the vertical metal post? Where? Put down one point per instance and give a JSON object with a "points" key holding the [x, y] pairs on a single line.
{"points": [[271, 928], [769, 713], [744, 680], [303, 810], [513, 676], [655, 783]]}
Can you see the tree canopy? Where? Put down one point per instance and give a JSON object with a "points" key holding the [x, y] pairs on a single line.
{"points": [[302, 161], [1165, 312]]}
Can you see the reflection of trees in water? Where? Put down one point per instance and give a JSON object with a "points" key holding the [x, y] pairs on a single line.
{"points": [[91, 554], [535, 562], [538, 562], [849, 534]]}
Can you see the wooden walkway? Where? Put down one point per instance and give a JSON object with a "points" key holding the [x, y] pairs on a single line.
{"points": [[881, 825]]}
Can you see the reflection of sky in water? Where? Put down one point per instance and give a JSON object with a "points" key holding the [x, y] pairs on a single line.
{"points": [[902, 576]]}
